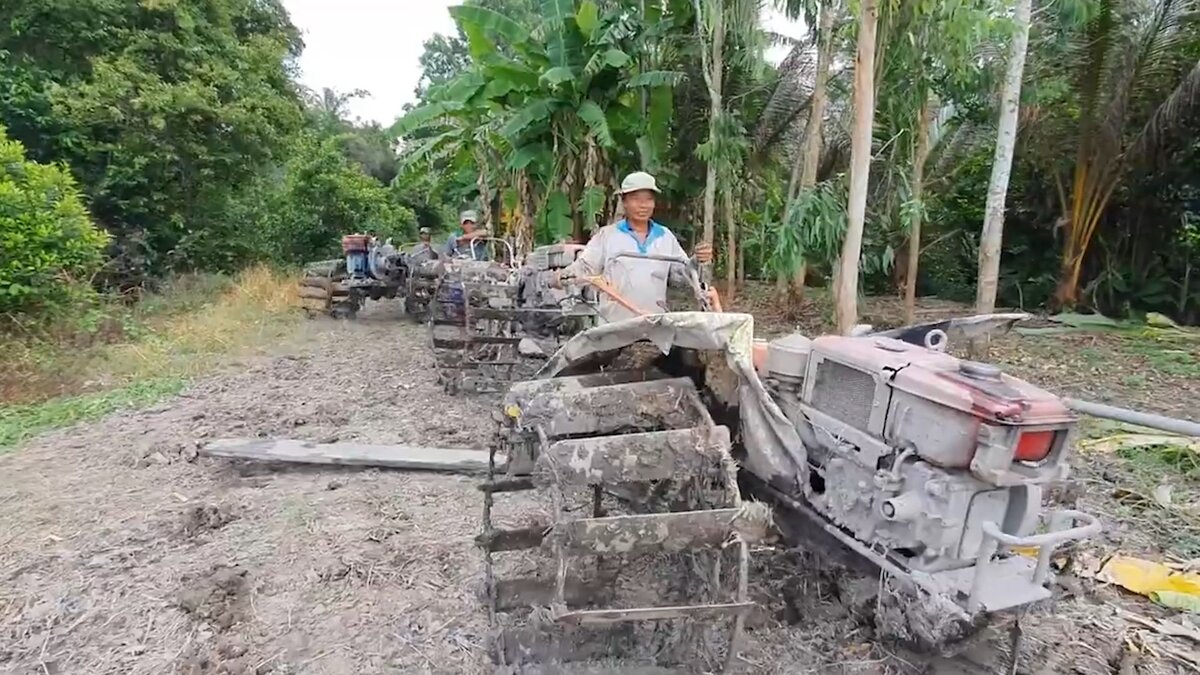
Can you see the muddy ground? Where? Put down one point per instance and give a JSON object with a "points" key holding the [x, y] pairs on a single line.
{"points": [[121, 551]]}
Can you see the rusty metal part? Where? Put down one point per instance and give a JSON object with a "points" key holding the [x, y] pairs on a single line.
{"points": [[491, 323], [929, 467]]}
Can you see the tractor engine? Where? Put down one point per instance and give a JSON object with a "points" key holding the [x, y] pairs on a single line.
{"points": [[356, 248], [376, 269], [535, 291], [912, 450]]}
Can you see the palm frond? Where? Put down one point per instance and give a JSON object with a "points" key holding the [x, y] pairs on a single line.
{"points": [[1174, 110]]}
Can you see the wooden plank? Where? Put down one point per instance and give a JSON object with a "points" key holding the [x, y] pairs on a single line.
{"points": [[654, 455], [666, 532], [314, 293], [459, 343], [315, 305], [601, 616], [409, 457]]}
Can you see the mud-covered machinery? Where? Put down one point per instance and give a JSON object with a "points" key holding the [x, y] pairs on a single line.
{"points": [[927, 467], [495, 322], [368, 270]]}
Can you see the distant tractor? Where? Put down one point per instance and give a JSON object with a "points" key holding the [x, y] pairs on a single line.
{"points": [[368, 270]]}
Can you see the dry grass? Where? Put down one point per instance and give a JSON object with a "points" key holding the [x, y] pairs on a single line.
{"points": [[254, 312], [131, 356]]}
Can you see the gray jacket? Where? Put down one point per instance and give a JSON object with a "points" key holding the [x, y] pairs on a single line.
{"points": [[642, 282]]}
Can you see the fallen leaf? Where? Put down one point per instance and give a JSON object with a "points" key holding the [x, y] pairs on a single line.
{"points": [[1153, 580], [1111, 444]]}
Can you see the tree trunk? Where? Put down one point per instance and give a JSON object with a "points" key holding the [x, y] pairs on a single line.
{"points": [[846, 289], [713, 70], [1006, 140], [741, 268], [523, 232], [730, 245], [920, 154], [813, 140], [485, 195]]}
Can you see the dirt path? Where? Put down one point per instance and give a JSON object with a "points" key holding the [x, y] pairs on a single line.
{"points": [[119, 555], [121, 552]]}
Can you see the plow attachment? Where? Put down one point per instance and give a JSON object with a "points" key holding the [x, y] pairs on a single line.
{"points": [[323, 290], [475, 332], [633, 477]]}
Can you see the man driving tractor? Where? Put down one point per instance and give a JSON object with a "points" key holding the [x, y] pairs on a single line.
{"points": [[469, 239], [423, 250], [642, 282]]}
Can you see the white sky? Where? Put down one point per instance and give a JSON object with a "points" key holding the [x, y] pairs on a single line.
{"points": [[376, 44]]}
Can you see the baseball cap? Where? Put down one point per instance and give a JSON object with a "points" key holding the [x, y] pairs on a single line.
{"points": [[638, 180], [468, 215], [424, 230]]}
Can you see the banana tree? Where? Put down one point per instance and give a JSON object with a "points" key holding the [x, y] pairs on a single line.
{"points": [[564, 104]]}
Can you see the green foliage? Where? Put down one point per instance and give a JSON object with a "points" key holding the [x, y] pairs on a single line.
{"points": [[49, 248], [322, 196], [161, 110], [558, 104]]}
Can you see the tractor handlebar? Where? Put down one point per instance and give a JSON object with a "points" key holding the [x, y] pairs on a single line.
{"points": [[705, 296]]}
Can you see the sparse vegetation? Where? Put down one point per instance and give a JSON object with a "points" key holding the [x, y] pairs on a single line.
{"points": [[115, 355]]}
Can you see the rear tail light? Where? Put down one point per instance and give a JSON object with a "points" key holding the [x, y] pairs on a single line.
{"points": [[1033, 446]]}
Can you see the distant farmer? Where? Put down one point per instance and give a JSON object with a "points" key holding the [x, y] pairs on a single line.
{"points": [[468, 241], [642, 282], [423, 250]]}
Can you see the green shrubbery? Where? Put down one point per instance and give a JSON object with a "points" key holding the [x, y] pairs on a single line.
{"points": [[49, 247]]}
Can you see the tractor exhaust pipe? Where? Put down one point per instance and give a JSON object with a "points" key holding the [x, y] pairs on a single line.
{"points": [[1141, 419]]}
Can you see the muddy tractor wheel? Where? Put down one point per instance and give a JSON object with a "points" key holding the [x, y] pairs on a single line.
{"points": [[475, 334], [316, 295], [644, 554], [345, 309]]}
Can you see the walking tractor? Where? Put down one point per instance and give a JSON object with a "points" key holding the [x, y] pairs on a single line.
{"points": [[678, 439], [368, 270], [494, 322]]}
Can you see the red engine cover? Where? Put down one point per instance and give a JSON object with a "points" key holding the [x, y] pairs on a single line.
{"points": [[355, 243]]}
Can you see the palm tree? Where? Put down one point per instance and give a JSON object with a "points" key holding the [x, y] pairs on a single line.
{"points": [[1131, 52]]}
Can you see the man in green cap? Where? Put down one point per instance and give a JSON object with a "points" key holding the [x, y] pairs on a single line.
{"points": [[642, 282], [468, 240]]}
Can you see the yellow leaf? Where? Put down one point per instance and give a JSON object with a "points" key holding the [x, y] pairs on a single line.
{"points": [[1152, 579]]}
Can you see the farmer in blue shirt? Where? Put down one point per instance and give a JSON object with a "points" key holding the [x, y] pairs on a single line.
{"points": [[643, 283], [468, 241]]}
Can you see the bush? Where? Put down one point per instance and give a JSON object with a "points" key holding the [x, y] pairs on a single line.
{"points": [[49, 248]]}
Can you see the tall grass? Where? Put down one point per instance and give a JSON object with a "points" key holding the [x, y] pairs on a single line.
{"points": [[115, 356]]}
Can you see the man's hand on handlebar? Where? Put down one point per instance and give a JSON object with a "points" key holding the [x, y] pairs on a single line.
{"points": [[704, 253]]}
